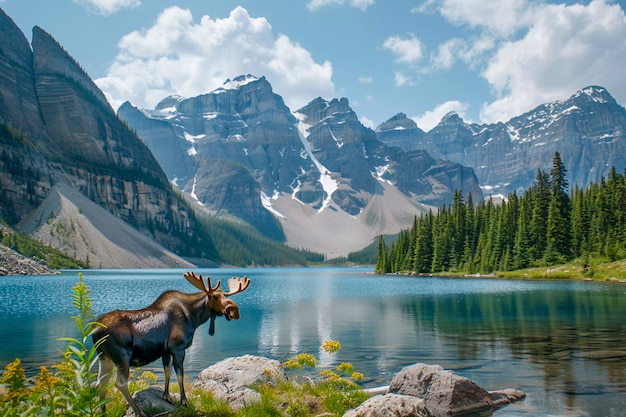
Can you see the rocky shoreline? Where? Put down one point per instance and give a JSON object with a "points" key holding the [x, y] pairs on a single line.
{"points": [[418, 390], [12, 263]]}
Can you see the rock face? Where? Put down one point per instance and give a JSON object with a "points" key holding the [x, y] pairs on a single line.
{"points": [[239, 149], [588, 130], [57, 127]]}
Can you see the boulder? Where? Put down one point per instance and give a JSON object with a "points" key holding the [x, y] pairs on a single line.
{"points": [[151, 400], [446, 393], [390, 405], [232, 378]]}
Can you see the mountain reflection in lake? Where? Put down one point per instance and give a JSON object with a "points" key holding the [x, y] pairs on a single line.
{"points": [[564, 343]]}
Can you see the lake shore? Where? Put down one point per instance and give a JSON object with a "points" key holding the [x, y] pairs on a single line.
{"points": [[601, 272]]}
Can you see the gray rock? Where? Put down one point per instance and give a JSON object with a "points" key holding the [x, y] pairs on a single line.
{"points": [[390, 405], [151, 402], [446, 393], [231, 378]]}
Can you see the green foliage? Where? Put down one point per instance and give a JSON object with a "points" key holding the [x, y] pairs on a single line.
{"points": [[237, 243], [544, 226], [71, 390], [382, 266], [334, 392], [80, 361], [10, 135], [32, 248]]}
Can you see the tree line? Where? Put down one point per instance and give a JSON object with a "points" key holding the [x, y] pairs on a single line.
{"points": [[546, 225]]}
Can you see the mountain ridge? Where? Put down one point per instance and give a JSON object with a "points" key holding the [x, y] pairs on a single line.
{"points": [[588, 129], [242, 150]]}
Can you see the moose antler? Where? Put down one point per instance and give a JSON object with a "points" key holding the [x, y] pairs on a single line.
{"points": [[237, 285], [198, 282]]}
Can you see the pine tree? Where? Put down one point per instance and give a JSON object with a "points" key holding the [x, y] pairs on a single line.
{"points": [[540, 195], [558, 233], [422, 260], [522, 251], [381, 264], [581, 223]]}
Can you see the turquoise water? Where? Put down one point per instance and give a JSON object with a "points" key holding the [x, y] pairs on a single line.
{"points": [[562, 342]]}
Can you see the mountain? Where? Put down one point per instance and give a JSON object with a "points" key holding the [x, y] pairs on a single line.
{"points": [[314, 178], [98, 236], [588, 129], [56, 127]]}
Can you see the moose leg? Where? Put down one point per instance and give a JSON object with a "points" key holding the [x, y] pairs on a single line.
{"points": [[167, 369], [179, 358], [123, 375]]}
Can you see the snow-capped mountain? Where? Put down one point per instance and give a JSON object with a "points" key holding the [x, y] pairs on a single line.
{"points": [[587, 129], [315, 178]]}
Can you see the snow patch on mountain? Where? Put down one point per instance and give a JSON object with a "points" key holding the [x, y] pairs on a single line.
{"points": [[380, 171], [338, 141], [236, 83], [329, 185], [193, 190], [267, 203]]}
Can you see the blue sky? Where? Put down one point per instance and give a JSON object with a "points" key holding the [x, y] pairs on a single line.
{"points": [[488, 60]]}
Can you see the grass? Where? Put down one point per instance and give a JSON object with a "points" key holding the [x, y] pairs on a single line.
{"points": [[596, 269]]}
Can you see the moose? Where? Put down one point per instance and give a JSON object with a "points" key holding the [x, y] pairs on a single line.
{"points": [[163, 330]]}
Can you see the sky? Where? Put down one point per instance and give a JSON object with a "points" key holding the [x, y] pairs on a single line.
{"points": [[487, 60]]}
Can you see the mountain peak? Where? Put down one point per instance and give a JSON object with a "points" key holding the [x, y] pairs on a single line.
{"points": [[594, 93], [239, 82], [451, 116], [398, 122], [450, 119], [169, 102]]}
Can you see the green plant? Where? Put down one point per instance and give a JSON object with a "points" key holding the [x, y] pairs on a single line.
{"points": [[71, 390], [77, 370], [335, 391]]}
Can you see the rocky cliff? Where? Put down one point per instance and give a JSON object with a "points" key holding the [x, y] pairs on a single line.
{"points": [[315, 178], [587, 129], [57, 127]]}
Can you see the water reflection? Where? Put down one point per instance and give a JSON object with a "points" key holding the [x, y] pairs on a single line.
{"points": [[564, 343]]}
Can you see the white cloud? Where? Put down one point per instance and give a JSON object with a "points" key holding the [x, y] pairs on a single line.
{"points": [[431, 118], [179, 56], [502, 17], [106, 7], [407, 50], [447, 54], [532, 52], [318, 4], [364, 79], [401, 80], [565, 49]]}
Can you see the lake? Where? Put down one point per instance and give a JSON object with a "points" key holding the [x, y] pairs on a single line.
{"points": [[562, 342]]}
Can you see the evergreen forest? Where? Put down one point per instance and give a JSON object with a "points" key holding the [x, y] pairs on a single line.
{"points": [[546, 225]]}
